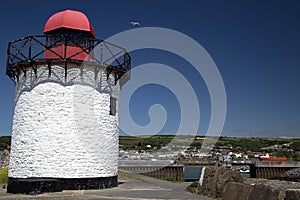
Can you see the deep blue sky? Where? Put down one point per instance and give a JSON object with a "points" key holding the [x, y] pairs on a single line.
{"points": [[255, 44]]}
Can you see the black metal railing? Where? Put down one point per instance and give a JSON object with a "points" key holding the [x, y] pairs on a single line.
{"points": [[64, 49]]}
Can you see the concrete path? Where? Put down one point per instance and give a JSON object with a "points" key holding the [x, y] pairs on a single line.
{"points": [[131, 187]]}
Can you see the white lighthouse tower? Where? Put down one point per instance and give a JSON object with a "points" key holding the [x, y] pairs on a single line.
{"points": [[65, 124]]}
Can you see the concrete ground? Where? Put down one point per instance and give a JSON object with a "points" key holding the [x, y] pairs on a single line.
{"points": [[131, 186]]}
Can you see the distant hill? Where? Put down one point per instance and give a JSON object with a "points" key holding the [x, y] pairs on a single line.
{"points": [[128, 142]]}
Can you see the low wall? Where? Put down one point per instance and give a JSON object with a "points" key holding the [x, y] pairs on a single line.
{"points": [[169, 173], [238, 191], [156, 169], [271, 170]]}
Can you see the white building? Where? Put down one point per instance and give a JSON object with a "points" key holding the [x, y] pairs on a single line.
{"points": [[65, 125]]}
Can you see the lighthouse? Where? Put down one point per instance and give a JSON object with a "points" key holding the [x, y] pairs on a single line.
{"points": [[65, 123]]}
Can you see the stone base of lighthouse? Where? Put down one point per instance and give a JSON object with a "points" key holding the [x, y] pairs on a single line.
{"points": [[40, 185], [64, 135]]}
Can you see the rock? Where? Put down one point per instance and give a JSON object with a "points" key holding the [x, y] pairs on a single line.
{"points": [[216, 180], [293, 194], [193, 188], [237, 191], [262, 190], [227, 184], [291, 175]]}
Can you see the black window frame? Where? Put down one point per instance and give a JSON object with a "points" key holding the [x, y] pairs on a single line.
{"points": [[113, 106]]}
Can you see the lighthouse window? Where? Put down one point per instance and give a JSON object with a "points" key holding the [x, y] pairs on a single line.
{"points": [[70, 37], [113, 106]]}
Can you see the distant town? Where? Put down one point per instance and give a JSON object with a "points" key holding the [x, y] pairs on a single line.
{"points": [[225, 150]]}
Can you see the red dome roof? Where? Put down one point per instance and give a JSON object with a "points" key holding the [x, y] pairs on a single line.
{"points": [[69, 19]]}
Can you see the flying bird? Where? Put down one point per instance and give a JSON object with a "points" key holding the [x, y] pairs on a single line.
{"points": [[135, 23]]}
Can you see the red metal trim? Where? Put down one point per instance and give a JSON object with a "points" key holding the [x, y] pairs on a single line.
{"points": [[69, 19]]}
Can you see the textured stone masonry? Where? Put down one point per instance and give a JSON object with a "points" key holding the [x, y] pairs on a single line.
{"points": [[62, 127]]}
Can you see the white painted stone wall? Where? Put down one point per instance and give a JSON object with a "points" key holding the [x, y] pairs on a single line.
{"points": [[62, 128]]}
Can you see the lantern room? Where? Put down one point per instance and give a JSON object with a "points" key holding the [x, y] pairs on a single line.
{"points": [[78, 32], [69, 40]]}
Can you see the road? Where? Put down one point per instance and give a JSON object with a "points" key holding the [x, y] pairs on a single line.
{"points": [[131, 187]]}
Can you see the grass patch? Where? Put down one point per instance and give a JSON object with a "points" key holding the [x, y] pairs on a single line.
{"points": [[131, 177], [3, 175], [172, 180]]}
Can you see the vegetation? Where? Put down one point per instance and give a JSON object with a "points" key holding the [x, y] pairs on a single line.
{"points": [[140, 143], [131, 177], [295, 145], [5, 142], [3, 175], [252, 144], [237, 144], [243, 145]]}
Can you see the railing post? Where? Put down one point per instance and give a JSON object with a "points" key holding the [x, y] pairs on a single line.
{"points": [[101, 52], [7, 57], [29, 53], [65, 56], [124, 61]]}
